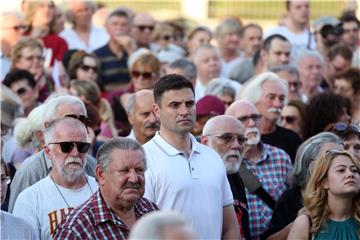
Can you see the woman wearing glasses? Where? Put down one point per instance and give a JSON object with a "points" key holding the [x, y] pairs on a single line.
{"points": [[331, 200], [292, 116], [84, 66]]}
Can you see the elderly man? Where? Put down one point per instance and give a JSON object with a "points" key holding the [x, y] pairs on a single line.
{"points": [[270, 98], [38, 166], [251, 39], [141, 116], [111, 212], [269, 164], [184, 175], [275, 52], [114, 55], [12, 29], [310, 64], [66, 187], [142, 27], [84, 35], [183, 67], [225, 134]]}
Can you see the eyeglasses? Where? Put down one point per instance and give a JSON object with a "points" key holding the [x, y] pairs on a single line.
{"points": [[32, 58], [18, 28], [82, 118], [66, 147], [87, 68], [143, 27], [246, 118], [5, 180], [295, 85], [145, 75], [167, 37], [228, 138], [343, 127], [288, 119]]}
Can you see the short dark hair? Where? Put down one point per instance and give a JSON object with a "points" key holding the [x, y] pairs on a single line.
{"points": [[250, 25], [342, 50], [119, 13], [17, 75], [268, 41], [349, 18], [287, 4], [170, 82], [351, 75]]}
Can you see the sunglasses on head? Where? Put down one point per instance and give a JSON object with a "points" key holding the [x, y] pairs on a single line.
{"points": [[143, 27], [343, 127], [230, 138], [146, 75], [82, 118], [288, 119], [66, 147], [87, 68]]}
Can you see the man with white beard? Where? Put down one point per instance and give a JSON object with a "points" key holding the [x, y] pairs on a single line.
{"points": [[46, 203], [269, 164], [225, 134]]}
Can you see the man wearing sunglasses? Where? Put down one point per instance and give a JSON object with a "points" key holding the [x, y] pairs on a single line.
{"points": [[225, 134], [142, 27], [38, 166], [269, 164], [46, 203]]}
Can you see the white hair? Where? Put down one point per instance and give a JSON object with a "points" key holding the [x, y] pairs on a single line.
{"points": [[136, 55], [202, 47], [308, 53], [51, 107], [24, 130], [252, 90]]}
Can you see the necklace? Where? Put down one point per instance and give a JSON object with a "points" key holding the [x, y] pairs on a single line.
{"points": [[67, 204]]}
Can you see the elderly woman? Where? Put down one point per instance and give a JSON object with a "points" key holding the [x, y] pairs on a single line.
{"points": [[223, 88], [290, 202]]}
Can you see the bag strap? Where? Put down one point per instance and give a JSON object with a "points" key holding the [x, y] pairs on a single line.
{"points": [[254, 186]]}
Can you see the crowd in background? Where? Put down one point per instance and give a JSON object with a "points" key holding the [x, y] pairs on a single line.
{"points": [[285, 104]]}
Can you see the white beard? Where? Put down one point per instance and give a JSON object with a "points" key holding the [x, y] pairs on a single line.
{"points": [[253, 140]]}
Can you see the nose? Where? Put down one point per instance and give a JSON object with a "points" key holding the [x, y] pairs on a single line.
{"points": [[74, 152], [132, 176], [152, 118], [284, 59], [184, 110]]}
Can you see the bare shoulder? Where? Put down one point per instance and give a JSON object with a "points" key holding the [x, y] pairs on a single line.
{"points": [[300, 228]]}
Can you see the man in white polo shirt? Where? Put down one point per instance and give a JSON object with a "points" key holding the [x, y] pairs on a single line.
{"points": [[182, 174]]}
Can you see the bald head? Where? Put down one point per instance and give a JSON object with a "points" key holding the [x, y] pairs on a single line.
{"points": [[142, 28], [12, 29], [220, 122], [240, 108]]}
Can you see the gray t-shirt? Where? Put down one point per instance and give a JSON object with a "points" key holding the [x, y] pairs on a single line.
{"points": [[15, 228]]}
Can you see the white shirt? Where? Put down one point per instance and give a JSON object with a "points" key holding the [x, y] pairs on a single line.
{"points": [[43, 206], [98, 37], [199, 90], [227, 67], [196, 187]]}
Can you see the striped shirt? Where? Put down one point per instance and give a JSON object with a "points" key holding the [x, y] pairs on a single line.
{"points": [[95, 220], [272, 171]]}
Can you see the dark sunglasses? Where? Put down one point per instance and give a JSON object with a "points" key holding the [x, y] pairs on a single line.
{"points": [[21, 91], [167, 37], [87, 68], [143, 27], [82, 118], [230, 138], [296, 85], [66, 147], [343, 127], [288, 119], [254, 117], [145, 75]]}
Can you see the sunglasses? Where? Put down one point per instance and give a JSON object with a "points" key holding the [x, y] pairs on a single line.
{"points": [[21, 91], [145, 75], [87, 68], [143, 27], [228, 138], [246, 118], [288, 119], [343, 127], [167, 37], [82, 118], [66, 147], [295, 85]]}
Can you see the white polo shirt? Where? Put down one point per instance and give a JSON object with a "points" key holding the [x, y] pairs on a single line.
{"points": [[196, 187]]}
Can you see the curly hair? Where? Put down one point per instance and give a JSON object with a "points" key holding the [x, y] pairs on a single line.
{"points": [[324, 109], [315, 196]]}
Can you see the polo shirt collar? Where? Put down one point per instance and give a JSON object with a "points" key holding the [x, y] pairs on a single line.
{"points": [[172, 151]]}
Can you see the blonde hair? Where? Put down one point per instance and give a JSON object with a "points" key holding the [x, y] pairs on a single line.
{"points": [[160, 28], [315, 197], [24, 43]]}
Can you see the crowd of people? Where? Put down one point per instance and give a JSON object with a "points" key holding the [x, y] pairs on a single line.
{"points": [[231, 133]]}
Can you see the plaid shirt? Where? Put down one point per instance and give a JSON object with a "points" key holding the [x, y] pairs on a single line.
{"points": [[94, 219], [271, 170]]}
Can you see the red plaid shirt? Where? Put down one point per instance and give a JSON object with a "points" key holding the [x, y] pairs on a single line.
{"points": [[94, 219]]}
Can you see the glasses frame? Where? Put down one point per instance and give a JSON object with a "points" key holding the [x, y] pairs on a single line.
{"points": [[81, 147], [241, 139], [255, 117]]}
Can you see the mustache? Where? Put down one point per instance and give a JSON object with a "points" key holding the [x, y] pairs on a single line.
{"points": [[152, 125], [274, 110], [251, 130], [73, 160], [131, 185]]}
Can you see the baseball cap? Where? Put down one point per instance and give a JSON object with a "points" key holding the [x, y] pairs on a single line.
{"points": [[209, 105], [325, 20]]}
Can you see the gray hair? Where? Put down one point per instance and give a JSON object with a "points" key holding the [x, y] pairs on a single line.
{"points": [[122, 143], [51, 107], [252, 90], [187, 66], [287, 68], [308, 53], [151, 225], [219, 87], [199, 49], [130, 103], [228, 26], [308, 152], [72, 122], [24, 130], [6, 15]]}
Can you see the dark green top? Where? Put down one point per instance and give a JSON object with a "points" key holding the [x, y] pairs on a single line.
{"points": [[346, 230]]}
